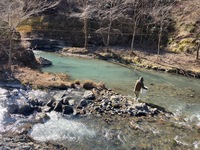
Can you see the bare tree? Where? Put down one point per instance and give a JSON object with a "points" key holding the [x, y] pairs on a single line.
{"points": [[83, 14], [135, 11], [161, 14], [108, 11], [13, 12]]}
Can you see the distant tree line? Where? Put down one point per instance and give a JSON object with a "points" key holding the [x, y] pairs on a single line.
{"points": [[149, 20]]}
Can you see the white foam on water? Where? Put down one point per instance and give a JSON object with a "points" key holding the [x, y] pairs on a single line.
{"points": [[180, 141], [37, 52], [3, 94], [195, 118], [59, 129], [196, 144], [38, 94]]}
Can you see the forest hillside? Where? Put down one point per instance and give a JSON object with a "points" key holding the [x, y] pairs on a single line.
{"points": [[156, 26]]}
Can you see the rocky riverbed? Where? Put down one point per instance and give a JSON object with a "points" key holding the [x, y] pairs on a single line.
{"points": [[24, 107]]}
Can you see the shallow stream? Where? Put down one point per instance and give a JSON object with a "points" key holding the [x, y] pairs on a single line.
{"points": [[178, 94]]}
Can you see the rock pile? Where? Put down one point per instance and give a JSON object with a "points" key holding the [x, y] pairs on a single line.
{"points": [[98, 101]]}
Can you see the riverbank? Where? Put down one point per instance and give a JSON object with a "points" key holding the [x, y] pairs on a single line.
{"points": [[170, 62]]}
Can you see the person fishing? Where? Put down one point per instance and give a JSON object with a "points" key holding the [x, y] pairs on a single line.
{"points": [[139, 84]]}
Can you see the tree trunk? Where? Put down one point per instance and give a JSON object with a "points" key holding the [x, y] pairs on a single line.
{"points": [[134, 32], [108, 37], [133, 38], [85, 26], [85, 32], [10, 52], [159, 39], [198, 48], [141, 34], [10, 38]]}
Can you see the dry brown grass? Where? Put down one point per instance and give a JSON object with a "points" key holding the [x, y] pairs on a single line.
{"points": [[44, 80], [166, 59], [88, 84], [39, 79]]}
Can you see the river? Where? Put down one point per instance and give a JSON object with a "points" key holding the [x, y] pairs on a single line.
{"points": [[178, 94]]}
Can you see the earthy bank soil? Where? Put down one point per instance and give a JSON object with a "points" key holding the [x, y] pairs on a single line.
{"points": [[167, 60]]}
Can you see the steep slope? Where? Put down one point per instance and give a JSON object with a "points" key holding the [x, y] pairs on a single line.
{"points": [[187, 26]]}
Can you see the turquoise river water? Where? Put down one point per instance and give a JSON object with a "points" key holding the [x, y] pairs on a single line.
{"points": [[178, 94]]}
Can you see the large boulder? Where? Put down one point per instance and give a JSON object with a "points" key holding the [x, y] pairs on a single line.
{"points": [[44, 62], [12, 109], [24, 57], [25, 110]]}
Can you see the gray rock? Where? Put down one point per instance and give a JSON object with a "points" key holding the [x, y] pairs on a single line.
{"points": [[65, 101], [50, 103], [25, 110], [68, 110], [89, 95], [13, 109], [141, 113], [47, 109], [44, 62], [116, 105], [41, 118], [34, 102], [141, 106], [71, 102], [115, 98], [57, 106], [83, 103]]}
